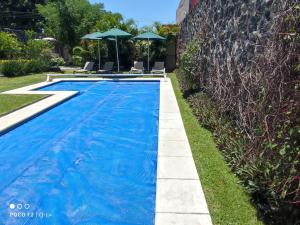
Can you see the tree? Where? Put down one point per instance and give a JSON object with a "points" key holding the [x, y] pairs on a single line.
{"points": [[68, 20], [20, 14], [10, 47], [158, 49]]}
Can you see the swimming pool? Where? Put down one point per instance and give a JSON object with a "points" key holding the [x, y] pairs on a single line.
{"points": [[89, 160]]}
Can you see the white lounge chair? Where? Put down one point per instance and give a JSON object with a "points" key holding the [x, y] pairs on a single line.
{"points": [[159, 67], [88, 67], [108, 67], [138, 67]]}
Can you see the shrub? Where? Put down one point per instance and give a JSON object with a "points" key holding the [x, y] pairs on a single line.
{"points": [[80, 55], [273, 175], [188, 70], [10, 47], [22, 67], [37, 49], [229, 138], [57, 61], [36, 66], [77, 60], [13, 67]]}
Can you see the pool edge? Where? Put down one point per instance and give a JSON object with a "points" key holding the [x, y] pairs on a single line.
{"points": [[179, 195]]}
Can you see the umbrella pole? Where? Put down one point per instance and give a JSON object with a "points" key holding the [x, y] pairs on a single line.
{"points": [[148, 55], [99, 56], [117, 54]]}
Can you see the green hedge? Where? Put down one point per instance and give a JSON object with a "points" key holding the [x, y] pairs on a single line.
{"points": [[22, 67]]}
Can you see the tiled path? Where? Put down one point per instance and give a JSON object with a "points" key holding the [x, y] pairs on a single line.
{"points": [[179, 198]]}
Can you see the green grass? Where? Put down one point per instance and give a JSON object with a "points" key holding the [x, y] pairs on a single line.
{"points": [[9, 103], [9, 83], [227, 200]]}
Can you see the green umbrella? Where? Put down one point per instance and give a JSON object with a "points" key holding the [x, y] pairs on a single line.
{"points": [[95, 36], [116, 33], [149, 36]]}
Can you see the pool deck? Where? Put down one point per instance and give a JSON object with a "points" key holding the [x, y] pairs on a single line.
{"points": [[179, 196]]}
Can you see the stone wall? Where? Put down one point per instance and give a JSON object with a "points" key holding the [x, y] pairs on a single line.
{"points": [[235, 28], [241, 43], [245, 59]]}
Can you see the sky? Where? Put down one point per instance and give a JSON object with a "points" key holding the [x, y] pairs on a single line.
{"points": [[144, 12]]}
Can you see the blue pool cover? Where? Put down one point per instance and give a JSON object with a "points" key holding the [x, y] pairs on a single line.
{"points": [[90, 160]]}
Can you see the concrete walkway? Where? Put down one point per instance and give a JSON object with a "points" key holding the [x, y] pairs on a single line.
{"points": [[179, 199]]}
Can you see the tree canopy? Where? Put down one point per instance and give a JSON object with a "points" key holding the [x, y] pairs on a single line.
{"points": [[68, 20], [20, 14]]}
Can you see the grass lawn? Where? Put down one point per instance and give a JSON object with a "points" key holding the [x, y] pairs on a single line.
{"points": [[9, 83], [227, 200], [9, 103], [12, 102]]}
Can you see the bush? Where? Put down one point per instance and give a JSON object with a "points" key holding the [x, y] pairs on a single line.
{"points": [[57, 61], [269, 177], [228, 137], [188, 70], [37, 49], [36, 66], [10, 47], [22, 67], [77, 60], [80, 55], [13, 67]]}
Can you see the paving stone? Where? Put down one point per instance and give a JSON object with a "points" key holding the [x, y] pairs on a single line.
{"points": [[172, 135], [177, 168], [180, 196], [182, 219], [174, 148], [171, 124]]}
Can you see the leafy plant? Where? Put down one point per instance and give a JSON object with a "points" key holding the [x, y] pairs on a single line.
{"points": [[10, 47], [22, 67], [188, 70], [35, 66], [77, 60], [37, 49], [13, 67], [57, 61]]}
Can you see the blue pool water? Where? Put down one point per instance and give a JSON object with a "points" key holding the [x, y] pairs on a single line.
{"points": [[89, 161]]}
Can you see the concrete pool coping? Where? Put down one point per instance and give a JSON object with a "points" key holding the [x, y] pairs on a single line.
{"points": [[179, 196]]}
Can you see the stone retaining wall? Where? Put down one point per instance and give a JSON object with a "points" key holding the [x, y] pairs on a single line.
{"points": [[235, 28]]}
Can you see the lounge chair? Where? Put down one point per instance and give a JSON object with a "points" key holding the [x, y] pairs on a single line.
{"points": [[138, 67], [159, 67], [88, 67], [108, 67]]}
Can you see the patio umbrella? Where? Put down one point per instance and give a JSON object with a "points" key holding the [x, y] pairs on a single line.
{"points": [[116, 33], [95, 36], [149, 36]]}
